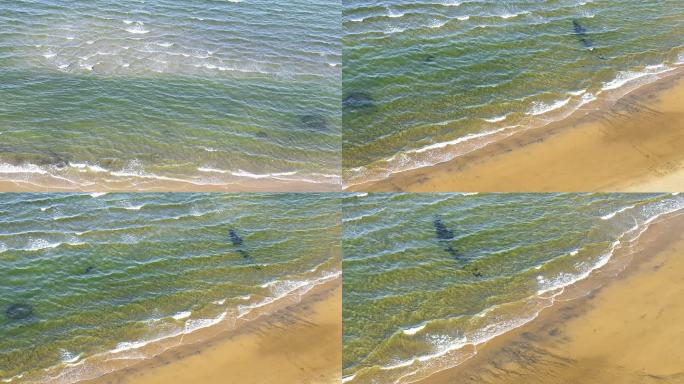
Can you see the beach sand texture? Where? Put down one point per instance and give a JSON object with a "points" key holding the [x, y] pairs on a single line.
{"points": [[632, 143], [628, 331], [299, 344]]}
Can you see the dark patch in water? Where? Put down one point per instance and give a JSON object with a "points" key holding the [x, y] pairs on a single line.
{"points": [[235, 238], [314, 122], [89, 269], [581, 33], [237, 242], [475, 271], [262, 135], [19, 311], [358, 100], [244, 254], [429, 59], [445, 234], [55, 160]]}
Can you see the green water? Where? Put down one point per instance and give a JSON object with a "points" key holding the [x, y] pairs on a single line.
{"points": [[106, 274], [426, 275], [203, 92], [425, 81]]}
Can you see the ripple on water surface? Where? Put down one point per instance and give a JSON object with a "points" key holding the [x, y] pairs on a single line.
{"points": [[201, 92], [92, 282], [428, 277]]}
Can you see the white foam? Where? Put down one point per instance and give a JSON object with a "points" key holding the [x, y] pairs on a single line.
{"points": [[496, 119], [612, 214], [578, 93], [182, 315], [463, 18], [395, 14], [414, 330], [193, 325], [565, 279], [241, 173], [437, 23], [89, 167], [540, 108], [39, 244], [625, 77], [456, 141], [28, 168], [97, 194], [11, 379], [138, 29], [511, 15], [69, 357]]}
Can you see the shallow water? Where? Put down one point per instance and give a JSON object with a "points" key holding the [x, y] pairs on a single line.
{"points": [[85, 276], [425, 81], [204, 92], [428, 276]]}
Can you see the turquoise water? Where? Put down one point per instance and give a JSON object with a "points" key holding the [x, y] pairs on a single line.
{"points": [[429, 276], [426, 81], [86, 278], [218, 93]]}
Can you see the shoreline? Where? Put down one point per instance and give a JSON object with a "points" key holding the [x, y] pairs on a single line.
{"points": [[604, 271], [41, 183], [584, 335], [303, 307], [634, 133], [279, 341]]}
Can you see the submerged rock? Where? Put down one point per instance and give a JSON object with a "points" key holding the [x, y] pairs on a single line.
{"points": [[19, 311]]}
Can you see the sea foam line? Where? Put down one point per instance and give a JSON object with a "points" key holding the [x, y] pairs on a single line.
{"points": [[496, 329], [192, 325]]}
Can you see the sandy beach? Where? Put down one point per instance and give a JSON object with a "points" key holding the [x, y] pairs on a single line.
{"points": [[631, 142], [627, 329], [300, 343]]}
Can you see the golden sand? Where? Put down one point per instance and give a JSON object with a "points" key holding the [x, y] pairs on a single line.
{"points": [[300, 344], [634, 143], [628, 331]]}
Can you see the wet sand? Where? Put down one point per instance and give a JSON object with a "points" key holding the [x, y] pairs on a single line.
{"points": [[631, 143], [42, 185], [627, 329], [300, 344]]}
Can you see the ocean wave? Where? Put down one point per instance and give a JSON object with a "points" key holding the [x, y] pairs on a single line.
{"points": [[81, 174], [129, 350], [540, 108], [496, 322], [613, 214], [625, 77]]}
